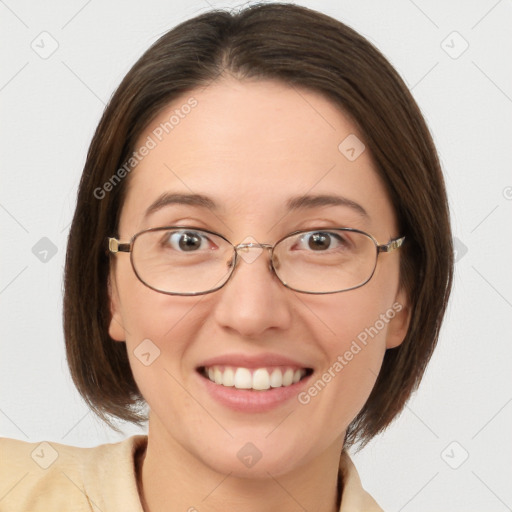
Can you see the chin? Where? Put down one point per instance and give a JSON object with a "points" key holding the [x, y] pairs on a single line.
{"points": [[252, 455]]}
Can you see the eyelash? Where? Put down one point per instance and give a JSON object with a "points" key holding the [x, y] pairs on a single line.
{"points": [[307, 225]]}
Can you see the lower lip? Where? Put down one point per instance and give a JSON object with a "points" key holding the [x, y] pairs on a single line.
{"points": [[246, 400]]}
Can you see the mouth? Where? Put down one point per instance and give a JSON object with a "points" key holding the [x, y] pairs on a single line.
{"points": [[254, 379]]}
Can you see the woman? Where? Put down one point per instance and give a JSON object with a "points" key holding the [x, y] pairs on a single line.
{"points": [[261, 253]]}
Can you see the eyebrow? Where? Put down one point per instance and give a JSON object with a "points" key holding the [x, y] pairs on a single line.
{"points": [[167, 199], [292, 204], [315, 201]]}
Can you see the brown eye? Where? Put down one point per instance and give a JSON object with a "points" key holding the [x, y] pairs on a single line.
{"points": [[185, 241], [320, 241]]}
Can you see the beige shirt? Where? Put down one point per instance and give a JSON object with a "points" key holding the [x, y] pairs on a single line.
{"points": [[52, 477]]}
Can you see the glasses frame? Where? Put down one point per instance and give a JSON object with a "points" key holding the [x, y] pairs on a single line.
{"points": [[115, 246]]}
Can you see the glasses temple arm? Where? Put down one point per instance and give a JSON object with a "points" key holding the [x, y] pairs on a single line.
{"points": [[115, 246], [391, 245]]}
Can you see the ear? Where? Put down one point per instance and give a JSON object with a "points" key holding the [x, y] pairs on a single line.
{"points": [[116, 328], [399, 324]]}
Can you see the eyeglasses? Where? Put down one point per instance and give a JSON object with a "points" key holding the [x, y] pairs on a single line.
{"points": [[179, 260]]}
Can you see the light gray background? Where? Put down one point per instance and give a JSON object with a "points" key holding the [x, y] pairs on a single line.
{"points": [[49, 110]]}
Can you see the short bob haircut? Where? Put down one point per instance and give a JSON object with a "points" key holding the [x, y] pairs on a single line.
{"points": [[304, 49]]}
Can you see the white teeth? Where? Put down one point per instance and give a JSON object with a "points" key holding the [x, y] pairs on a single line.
{"points": [[228, 379], [276, 379], [288, 377], [259, 379], [243, 378]]}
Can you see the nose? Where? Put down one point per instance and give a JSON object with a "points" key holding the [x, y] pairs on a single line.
{"points": [[253, 300]]}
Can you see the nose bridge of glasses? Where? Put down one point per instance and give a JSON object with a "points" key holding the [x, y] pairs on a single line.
{"points": [[243, 250], [250, 245]]}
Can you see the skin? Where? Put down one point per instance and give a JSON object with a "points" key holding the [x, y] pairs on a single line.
{"points": [[250, 146]]}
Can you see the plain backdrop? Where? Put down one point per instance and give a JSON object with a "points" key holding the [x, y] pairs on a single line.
{"points": [[451, 449]]}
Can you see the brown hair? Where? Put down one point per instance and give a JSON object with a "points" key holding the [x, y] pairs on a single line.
{"points": [[303, 48]]}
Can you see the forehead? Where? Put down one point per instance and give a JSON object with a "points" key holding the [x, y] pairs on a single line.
{"points": [[251, 146]]}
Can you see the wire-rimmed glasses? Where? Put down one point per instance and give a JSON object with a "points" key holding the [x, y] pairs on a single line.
{"points": [[180, 260]]}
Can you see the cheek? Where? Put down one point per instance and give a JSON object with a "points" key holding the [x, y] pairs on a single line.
{"points": [[361, 315], [158, 328], [149, 314], [161, 333], [354, 343]]}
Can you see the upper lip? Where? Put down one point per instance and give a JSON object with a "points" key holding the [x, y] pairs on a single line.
{"points": [[252, 361]]}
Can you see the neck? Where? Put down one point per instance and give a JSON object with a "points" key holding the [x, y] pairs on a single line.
{"points": [[172, 479]]}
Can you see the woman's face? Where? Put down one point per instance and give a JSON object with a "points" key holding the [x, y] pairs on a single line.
{"points": [[250, 147]]}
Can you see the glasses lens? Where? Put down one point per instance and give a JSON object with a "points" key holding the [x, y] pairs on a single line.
{"points": [[183, 261], [325, 261]]}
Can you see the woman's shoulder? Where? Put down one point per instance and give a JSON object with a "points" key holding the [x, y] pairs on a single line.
{"points": [[46, 476], [354, 496]]}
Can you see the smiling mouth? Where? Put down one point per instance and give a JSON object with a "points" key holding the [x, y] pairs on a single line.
{"points": [[256, 379]]}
